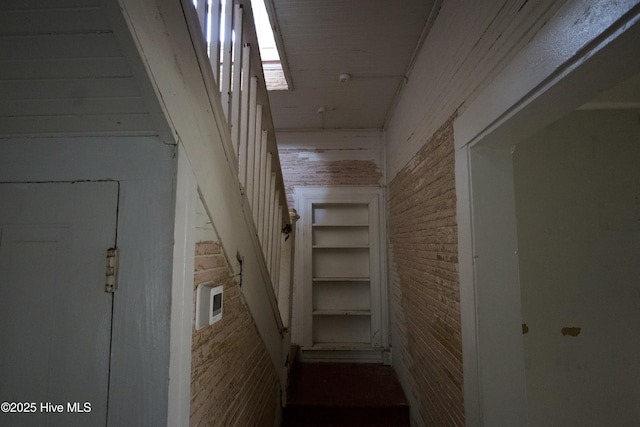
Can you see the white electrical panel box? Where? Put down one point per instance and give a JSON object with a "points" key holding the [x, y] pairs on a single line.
{"points": [[208, 304]]}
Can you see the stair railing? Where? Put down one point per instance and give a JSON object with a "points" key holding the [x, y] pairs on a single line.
{"points": [[232, 48]]}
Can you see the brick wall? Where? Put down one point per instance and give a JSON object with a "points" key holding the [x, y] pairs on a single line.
{"points": [[424, 288], [329, 158], [233, 381]]}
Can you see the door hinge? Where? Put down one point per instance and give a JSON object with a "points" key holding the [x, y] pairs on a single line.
{"points": [[112, 270]]}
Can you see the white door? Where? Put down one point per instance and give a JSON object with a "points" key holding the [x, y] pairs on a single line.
{"points": [[55, 316]]}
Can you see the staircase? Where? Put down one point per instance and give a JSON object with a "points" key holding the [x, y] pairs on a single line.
{"points": [[345, 394]]}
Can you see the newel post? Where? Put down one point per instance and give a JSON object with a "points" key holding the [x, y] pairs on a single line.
{"points": [[286, 268]]}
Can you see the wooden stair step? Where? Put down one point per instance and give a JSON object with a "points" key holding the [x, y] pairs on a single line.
{"points": [[345, 394]]}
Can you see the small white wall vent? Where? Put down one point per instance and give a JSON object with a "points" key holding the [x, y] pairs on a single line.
{"points": [[208, 304]]}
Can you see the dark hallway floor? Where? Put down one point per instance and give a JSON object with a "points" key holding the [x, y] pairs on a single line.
{"points": [[345, 394]]}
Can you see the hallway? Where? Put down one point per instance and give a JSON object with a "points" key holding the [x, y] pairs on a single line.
{"points": [[345, 394], [448, 187]]}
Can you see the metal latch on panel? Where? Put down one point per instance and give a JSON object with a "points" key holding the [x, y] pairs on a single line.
{"points": [[112, 270]]}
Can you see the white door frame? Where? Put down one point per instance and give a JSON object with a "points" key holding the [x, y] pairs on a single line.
{"points": [[521, 100], [179, 396], [305, 197]]}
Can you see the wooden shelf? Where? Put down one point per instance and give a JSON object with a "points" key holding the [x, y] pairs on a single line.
{"points": [[340, 225], [340, 246], [341, 312], [341, 346]]}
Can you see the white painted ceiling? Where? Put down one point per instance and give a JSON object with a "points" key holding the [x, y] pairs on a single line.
{"points": [[372, 40]]}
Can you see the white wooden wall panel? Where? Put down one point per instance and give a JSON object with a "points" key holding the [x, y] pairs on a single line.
{"points": [[527, 77], [46, 4], [52, 20], [70, 107], [57, 68], [132, 124], [453, 66], [28, 46], [62, 88], [145, 169], [64, 72]]}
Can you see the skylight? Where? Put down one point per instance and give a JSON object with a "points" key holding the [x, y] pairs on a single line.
{"points": [[273, 73], [271, 63]]}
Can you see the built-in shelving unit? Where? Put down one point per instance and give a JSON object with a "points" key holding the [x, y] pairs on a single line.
{"points": [[342, 266], [341, 276]]}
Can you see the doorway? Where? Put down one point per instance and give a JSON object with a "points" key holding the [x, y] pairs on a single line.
{"points": [[493, 231]]}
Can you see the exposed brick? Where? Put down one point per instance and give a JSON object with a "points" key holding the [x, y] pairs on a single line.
{"points": [[233, 381], [207, 248], [424, 286], [208, 262], [298, 170]]}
